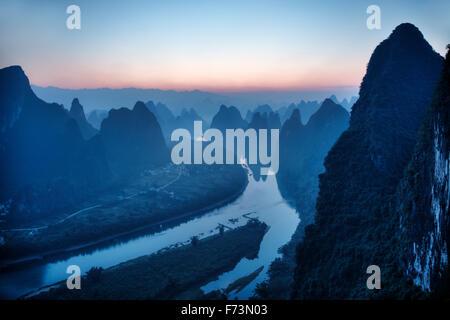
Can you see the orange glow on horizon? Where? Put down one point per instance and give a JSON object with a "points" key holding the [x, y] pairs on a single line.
{"points": [[228, 75], [90, 80]]}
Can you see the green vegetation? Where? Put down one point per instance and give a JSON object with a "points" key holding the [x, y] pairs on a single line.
{"points": [[173, 274], [154, 201]]}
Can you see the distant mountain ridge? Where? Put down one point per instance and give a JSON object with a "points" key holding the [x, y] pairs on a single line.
{"points": [[265, 120], [105, 98], [265, 108], [228, 118], [133, 140], [308, 108], [303, 149], [205, 103]]}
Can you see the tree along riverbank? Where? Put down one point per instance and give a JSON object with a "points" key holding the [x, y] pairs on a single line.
{"points": [[176, 273]]}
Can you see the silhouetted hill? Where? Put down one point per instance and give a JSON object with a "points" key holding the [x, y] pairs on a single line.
{"points": [[261, 109], [133, 140], [264, 108], [303, 150], [292, 129], [327, 124], [265, 121], [96, 117], [292, 137], [259, 121], [77, 113], [165, 118], [169, 122], [42, 149], [347, 104], [307, 109], [355, 224], [186, 120], [161, 112], [273, 120], [228, 118], [286, 112], [205, 103], [104, 98]]}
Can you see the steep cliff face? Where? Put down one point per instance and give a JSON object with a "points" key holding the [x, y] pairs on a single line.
{"points": [[13, 90], [39, 141], [424, 196], [355, 224], [165, 118], [303, 149], [42, 150], [77, 113], [292, 138]]}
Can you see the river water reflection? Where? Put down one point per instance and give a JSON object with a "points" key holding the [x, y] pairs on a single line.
{"points": [[261, 198]]}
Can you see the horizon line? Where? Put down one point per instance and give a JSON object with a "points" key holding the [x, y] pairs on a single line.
{"points": [[218, 91]]}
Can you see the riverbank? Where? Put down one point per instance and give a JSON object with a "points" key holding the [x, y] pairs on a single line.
{"points": [[176, 273], [152, 210], [281, 271]]}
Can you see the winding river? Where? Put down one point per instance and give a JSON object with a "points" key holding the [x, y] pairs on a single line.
{"points": [[261, 199]]}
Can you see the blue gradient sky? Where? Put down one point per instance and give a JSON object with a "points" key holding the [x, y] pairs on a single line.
{"points": [[209, 45]]}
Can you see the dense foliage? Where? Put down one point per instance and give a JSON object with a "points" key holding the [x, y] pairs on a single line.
{"points": [[355, 224]]}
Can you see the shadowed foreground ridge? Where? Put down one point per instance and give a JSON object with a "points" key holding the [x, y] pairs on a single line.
{"points": [[355, 225], [424, 196]]}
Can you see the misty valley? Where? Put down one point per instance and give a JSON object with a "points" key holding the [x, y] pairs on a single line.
{"points": [[221, 201], [124, 205]]}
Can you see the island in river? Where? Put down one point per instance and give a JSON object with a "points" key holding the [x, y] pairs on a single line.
{"points": [[176, 273]]}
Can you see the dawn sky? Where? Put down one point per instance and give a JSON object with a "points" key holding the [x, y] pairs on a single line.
{"points": [[207, 45]]}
